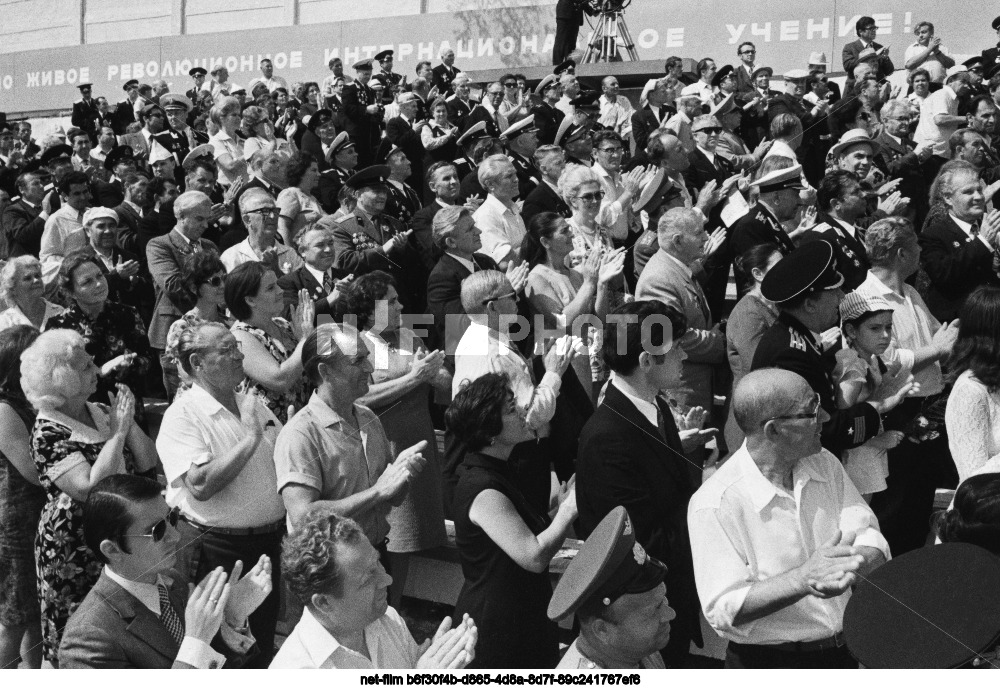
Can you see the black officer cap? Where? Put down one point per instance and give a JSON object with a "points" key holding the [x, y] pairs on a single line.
{"points": [[809, 268], [586, 100], [996, 24], [372, 176], [197, 72], [723, 72], [383, 55], [564, 66], [117, 155], [130, 84], [317, 118], [54, 152]]}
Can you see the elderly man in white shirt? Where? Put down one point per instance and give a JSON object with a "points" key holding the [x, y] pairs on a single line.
{"points": [[499, 218], [260, 217], [939, 117], [616, 110], [347, 622], [779, 534], [619, 190]]}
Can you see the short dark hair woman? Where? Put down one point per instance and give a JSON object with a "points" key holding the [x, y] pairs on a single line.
{"points": [[974, 516]]}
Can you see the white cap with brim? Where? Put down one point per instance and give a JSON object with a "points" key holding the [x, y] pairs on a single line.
{"points": [[522, 126], [653, 188], [564, 126], [543, 84], [97, 212], [644, 96], [471, 131], [203, 151], [787, 178], [818, 59]]}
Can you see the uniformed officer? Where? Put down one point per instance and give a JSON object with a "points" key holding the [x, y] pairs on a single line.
{"points": [[904, 615], [466, 143], [617, 592], [343, 157], [364, 113], [576, 141], [85, 113], [547, 116], [389, 79], [124, 114], [198, 75], [522, 140], [805, 286], [403, 200]]}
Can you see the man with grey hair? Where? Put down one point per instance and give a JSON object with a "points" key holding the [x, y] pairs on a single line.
{"points": [[550, 161], [939, 116], [669, 277], [403, 132], [774, 584], [165, 255], [616, 109], [570, 86], [260, 216], [688, 108], [459, 105], [655, 113], [897, 157], [317, 275], [446, 72], [499, 217]]}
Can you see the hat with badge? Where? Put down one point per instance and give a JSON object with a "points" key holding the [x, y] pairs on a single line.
{"points": [[653, 194], [564, 67], [609, 565], [117, 155], [723, 106], [390, 151], [321, 116], [973, 62], [339, 143], [197, 72], [703, 122], [992, 71], [175, 100], [55, 152], [855, 304], [546, 83], [148, 108], [85, 85], [761, 70], [522, 126], [381, 56], [363, 64], [927, 608], [130, 84], [372, 176], [569, 132], [776, 180], [97, 212], [202, 151], [720, 76], [809, 268], [586, 100], [854, 137], [472, 133]]}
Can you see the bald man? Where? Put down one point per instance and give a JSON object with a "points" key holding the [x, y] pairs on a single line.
{"points": [[779, 534]]}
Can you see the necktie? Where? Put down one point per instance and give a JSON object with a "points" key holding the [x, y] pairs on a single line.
{"points": [[974, 230], [168, 616], [661, 423], [327, 282]]}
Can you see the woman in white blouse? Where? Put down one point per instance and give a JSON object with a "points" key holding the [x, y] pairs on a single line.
{"points": [[228, 146], [438, 135], [21, 289], [296, 203], [973, 412]]}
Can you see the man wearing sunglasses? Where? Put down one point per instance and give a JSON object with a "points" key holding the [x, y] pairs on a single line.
{"points": [[806, 288], [140, 613], [773, 581]]}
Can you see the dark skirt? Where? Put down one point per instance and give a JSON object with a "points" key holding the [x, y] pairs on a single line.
{"points": [[21, 506]]}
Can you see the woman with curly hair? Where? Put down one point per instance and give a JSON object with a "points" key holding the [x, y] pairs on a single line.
{"points": [[74, 444], [296, 204]]}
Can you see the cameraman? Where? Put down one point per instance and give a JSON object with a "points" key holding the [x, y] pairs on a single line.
{"points": [[569, 19]]}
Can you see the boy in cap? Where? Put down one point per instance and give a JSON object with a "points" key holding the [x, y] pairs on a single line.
{"points": [[617, 592]]}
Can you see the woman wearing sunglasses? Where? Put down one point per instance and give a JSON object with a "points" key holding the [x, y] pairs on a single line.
{"points": [[74, 444]]}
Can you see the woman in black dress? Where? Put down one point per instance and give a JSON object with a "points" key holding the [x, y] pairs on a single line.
{"points": [[505, 545]]}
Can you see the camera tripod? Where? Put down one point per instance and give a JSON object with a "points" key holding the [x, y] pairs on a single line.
{"points": [[603, 46]]}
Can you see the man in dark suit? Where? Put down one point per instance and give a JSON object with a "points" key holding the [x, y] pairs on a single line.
{"points": [[445, 73], [161, 191], [119, 162], [402, 132], [522, 141], [551, 161], [140, 614], [128, 282], [364, 114], [165, 257], [862, 48], [124, 114], [569, 19], [547, 116], [343, 156], [841, 201], [24, 220], [991, 56], [805, 285], [958, 247], [85, 113], [458, 239], [459, 105], [487, 112], [197, 75], [897, 158], [318, 276], [631, 455], [390, 80], [743, 72], [442, 177], [131, 209], [403, 200]]}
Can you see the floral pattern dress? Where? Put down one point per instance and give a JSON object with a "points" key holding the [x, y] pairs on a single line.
{"points": [[278, 403], [65, 566], [117, 330]]}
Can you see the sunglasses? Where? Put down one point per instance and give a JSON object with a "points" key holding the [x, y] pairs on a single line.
{"points": [[510, 85], [592, 197], [159, 529]]}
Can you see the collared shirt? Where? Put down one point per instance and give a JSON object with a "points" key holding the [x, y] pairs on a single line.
{"points": [[700, 89], [613, 215], [194, 652], [574, 659], [617, 114], [645, 407], [482, 351], [196, 430], [273, 83], [389, 643], [63, 235], [944, 101], [318, 274], [744, 529], [913, 327], [502, 228], [932, 63], [320, 450], [288, 258], [468, 265], [708, 154], [223, 144], [14, 316]]}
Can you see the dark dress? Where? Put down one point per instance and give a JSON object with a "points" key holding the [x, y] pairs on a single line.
{"points": [[21, 506], [66, 568], [507, 601]]}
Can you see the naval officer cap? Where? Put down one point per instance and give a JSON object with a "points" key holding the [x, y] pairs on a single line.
{"points": [[382, 56], [807, 269], [372, 176], [787, 178], [609, 565], [363, 64]]}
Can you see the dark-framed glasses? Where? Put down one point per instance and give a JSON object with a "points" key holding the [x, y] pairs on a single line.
{"points": [[814, 414]]}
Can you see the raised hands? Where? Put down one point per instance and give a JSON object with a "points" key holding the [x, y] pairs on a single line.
{"points": [[558, 355], [425, 366], [451, 648], [612, 265], [517, 276], [206, 606], [247, 593], [303, 315], [122, 411], [408, 464], [831, 570]]}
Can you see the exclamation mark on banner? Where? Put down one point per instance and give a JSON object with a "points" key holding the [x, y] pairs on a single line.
{"points": [[906, 27]]}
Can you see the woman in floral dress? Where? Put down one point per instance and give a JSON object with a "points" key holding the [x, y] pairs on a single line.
{"points": [[74, 444]]}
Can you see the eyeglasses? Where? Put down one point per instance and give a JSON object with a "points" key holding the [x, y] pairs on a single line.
{"points": [[510, 85], [159, 529], [269, 212], [617, 150], [748, 52], [814, 414], [228, 350], [216, 280], [510, 295], [592, 197]]}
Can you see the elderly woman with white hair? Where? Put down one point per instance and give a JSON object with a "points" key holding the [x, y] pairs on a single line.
{"points": [[228, 147], [499, 217], [74, 444], [22, 289]]}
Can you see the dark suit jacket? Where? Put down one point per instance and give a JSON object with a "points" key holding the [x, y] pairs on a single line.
{"points": [[543, 198], [644, 121], [481, 114], [165, 257], [443, 76], [850, 252], [85, 116], [897, 160], [22, 229], [547, 119], [107, 194], [444, 295], [123, 116], [624, 460], [328, 188], [312, 145], [743, 83], [955, 263], [458, 110], [128, 228], [422, 224], [400, 133], [301, 278], [149, 227], [991, 57], [137, 292], [111, 629], [850, 59], [365, 129]]}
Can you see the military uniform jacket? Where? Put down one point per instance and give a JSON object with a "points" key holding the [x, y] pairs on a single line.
{"points": [[402, 204], [443, 75], [123, 116], [390, 79], [852, 257], [575, 660], [543, 198], [458, 110], [757, 227], [365, 129], [85, 116], [527, 176], [789, 345], [547, 119], [328, 188], [481, 114]]}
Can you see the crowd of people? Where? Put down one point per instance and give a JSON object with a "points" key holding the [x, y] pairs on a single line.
{"points": [[376, 303]]}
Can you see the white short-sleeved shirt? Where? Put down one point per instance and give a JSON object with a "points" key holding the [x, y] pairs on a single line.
{"points": [[502, 228], [223, 144]]}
